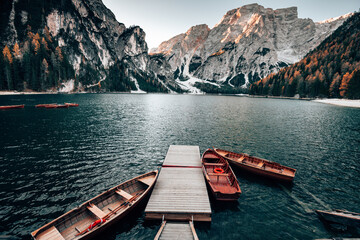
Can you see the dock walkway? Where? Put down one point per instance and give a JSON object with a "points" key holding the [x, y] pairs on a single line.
{"points": [[180, 192], [177, 230]]}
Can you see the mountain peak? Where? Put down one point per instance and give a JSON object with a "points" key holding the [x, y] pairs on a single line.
{"points": [[200, 27], [336, 18], [239, 15]]}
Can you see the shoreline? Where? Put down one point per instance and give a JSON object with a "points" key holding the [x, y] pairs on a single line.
{"points": [[330, 101], [339, 102]]}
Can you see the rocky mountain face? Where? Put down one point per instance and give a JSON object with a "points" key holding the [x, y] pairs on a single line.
{"points": [[332, 69], [88, 34], [248, 44]]}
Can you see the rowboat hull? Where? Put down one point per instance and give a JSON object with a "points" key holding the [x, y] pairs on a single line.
{"points": [[72, 104], [56, 106], [112, 205], [12, 107], [262, 172], [340, 217], [220, 177], [258, 166], [44, 105]]}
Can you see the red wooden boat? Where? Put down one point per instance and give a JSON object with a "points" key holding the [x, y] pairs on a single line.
{"points": [[44, 105], [56, 106], [12, 106], [258, 166], [220, 177], [100, 212], [72, 104]]}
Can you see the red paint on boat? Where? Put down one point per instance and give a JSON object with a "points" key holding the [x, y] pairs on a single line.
{"points": [[12, 106]]}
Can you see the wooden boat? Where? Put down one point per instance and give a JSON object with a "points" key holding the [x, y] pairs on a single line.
{"points": [[72, 104], [56, 106], [12, 106], [44, 105], [101, 211], [220, 177], [341, 217], [258, 166], [177, 230]]}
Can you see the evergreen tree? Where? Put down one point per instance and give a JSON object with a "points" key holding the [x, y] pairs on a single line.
{"points": [[2, 67], [44, 74], [8, 67]]}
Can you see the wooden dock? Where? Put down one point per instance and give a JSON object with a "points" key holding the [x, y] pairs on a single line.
{"points": [[176, 230], [180, 193]]}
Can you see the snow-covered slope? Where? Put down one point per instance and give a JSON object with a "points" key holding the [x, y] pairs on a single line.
{"points": [[247, 44]]}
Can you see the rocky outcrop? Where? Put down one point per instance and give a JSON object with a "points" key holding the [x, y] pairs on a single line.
{"points": [[248, 43], [87, 32]]}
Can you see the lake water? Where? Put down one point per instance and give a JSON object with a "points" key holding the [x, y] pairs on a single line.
{"points": [[52, 160]]}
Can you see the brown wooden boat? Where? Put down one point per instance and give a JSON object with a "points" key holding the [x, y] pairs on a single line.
{"points": [[101, 211], [258, 166], [341, 217], [56, 106], [72, 104], [12, 106], [220, 177]]}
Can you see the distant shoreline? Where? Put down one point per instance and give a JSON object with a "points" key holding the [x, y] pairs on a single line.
{"points": [[331, 101], [340, 102]]}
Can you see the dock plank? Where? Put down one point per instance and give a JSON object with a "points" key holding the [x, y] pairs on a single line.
{"points": [[180, 193], [181, 155], [177, 231]]}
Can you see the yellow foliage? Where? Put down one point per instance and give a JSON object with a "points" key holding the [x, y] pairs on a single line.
{"points": [[47, 34], [59, 53], [221, 51], [44, 43], [16, 50], [37, 37], [36, 45], [7, 54]]}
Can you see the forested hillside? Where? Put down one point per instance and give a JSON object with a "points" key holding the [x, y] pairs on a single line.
{"points": [[37, 63], [330, 70], [45, 44]]}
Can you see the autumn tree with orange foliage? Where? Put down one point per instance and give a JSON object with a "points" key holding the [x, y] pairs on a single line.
{"points": [[36, 65], [8, 67]]}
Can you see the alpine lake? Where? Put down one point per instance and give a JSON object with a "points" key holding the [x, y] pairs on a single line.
{"points": [[52, 160]]}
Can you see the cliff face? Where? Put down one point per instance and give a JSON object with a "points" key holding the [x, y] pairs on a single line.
{"points": [[332, 69], [87, 33], [248, 43]]}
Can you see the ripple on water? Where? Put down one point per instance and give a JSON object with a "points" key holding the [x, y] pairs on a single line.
{"points": [[55, 160]]}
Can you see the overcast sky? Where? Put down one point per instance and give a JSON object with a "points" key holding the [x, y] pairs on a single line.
{"points": [[163, 19]]}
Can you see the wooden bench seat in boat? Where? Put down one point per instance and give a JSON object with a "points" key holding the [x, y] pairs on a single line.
{"points": [[241, 159], [214, 164], [260, 164], [124, 194], [51, 234], [147, 180], [96, 211], [218, 174]]}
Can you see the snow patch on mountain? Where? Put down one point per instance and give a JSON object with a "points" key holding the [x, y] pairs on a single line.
{"points": [[137, 86], [335, 18], [67, 86]]}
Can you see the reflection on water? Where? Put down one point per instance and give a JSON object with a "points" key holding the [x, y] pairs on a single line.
{"points": [[51, 160]]}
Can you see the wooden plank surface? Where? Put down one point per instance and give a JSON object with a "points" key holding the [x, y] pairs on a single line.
{"points": [[50, 234], [173, 231], [181, 155], [180, 193]]}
